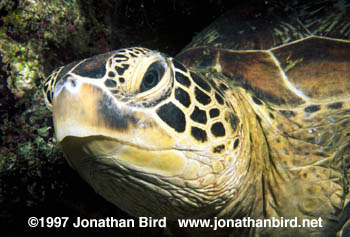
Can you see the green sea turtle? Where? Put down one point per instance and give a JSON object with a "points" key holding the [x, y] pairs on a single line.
{"points": [[251, 119]]}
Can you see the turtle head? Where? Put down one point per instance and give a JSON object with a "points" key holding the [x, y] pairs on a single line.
{"points": [[141, 127], [109, 95]]}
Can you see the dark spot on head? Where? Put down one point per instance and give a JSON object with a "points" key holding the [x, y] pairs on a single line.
{"points": [[219, 99], [336, 105], [94, 67], [120, 58], [312, 108], [223, 87], [201, 97], [271, 116], [214, 113], [200, 82], [199, 115], [46, 85], [173, 116], [138, 51], [305, 175], [121, 79], [218, 129], [212, 83], [232, 119], [258, 118], [257, 100], [133, 55], [236, 143], [219, 148], [287, 113], [179, 66], [182, 79], [112, 115], [49, 96], [144, 50], [199, 134], [111, 74], [110, 83], [182, 96], [121, 70], [278, 140], [66, 70]]}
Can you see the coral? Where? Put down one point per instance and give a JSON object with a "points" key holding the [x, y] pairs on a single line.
{"points": [[23, 66], [29, 27]]}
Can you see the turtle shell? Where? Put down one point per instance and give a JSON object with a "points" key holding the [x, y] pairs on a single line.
{"points": [[292, 63], [286, 55]]}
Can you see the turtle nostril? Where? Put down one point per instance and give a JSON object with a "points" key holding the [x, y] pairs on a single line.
{"points": [[73, 82]]}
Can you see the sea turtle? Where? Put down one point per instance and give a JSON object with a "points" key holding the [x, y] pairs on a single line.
{"points": [[251, 119]]}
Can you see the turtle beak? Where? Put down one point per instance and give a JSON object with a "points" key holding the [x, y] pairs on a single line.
{"points": [[82, 109], [72, 111]]}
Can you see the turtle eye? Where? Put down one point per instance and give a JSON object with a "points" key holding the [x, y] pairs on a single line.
{"points": [[150, 79], [152, 76]]}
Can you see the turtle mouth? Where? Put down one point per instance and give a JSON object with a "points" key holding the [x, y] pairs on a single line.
{"points": [[165, 161]]}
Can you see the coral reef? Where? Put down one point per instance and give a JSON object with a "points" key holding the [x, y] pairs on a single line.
{"points": [[29, 28]]}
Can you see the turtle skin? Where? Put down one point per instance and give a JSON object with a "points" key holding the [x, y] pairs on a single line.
{"points": [[252, 119]]}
